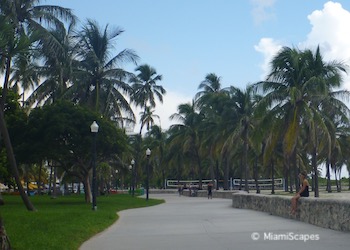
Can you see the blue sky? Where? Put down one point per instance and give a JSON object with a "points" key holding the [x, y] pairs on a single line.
{"points": [[184, 40]]}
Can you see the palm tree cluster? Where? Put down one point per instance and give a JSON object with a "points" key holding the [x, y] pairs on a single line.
{"points": [[46, 57], [294, 120]]}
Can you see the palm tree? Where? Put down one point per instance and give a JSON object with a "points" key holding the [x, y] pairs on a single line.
{"points": [[101, 84], [23, 18], [245, 103], [147, 118], [24, 75], [298, 81], [28, 16], [145, 88], [158, 145], [58, 69], [211, 100], [188, 133]]}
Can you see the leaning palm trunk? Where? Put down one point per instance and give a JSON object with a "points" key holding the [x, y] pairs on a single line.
{"points": [[12, 161]]}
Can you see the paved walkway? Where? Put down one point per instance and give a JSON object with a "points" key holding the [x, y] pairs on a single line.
{"points": [[185, 223]]}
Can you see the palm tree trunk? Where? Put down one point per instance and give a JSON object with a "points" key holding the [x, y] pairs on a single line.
{"points": [[226, 173], [12, 161], [290, 175], [39, 180], [6, 81], [241, 175], [273, 176], [286, 174], [329, 186], [314, 167], [295, 170], [336, 178], [87, 188], [256, 175], [217, 174], [245, 161]]}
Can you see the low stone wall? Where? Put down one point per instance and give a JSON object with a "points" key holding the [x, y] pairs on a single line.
{"points": [[327, 213]]}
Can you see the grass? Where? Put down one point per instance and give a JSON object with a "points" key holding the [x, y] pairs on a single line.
{"points": [[62, 223]]}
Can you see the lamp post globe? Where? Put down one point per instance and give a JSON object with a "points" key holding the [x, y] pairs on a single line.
{"points": [[94, 129]]}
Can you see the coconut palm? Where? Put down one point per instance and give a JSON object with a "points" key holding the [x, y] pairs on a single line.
{"points": [[212, 101], [28, 15], [101, 84], [146, 89], [147, 118], [188, 133], [24, 75], [245, 103], [22, 19], [58, 68], [298, 81]]}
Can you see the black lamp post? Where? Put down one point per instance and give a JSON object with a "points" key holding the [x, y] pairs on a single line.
{"points": [[94, 130], [148, 153], [133, 177]]}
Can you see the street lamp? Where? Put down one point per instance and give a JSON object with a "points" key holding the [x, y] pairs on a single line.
{"points": [[148, 153], [94, 130], [116, 179], [133, 177]]}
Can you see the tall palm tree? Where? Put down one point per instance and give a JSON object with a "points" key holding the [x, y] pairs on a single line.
{"points": [[188, 133], [57, 69], [158, 145], [101, 84], [145, 88], [211, 100], [245, 104], [24, 18], [298, 81], [24, 75], [29, 15], [147, 118]]}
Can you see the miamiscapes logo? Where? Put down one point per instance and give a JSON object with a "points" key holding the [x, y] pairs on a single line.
{"points": [[285, 236]]}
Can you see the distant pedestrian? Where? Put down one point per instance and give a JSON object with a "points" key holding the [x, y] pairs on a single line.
{"points": [[303, 192], [210, 190], [180, 189]]}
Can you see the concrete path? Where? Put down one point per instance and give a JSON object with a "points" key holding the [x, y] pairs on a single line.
{"points": [[190, 223]]}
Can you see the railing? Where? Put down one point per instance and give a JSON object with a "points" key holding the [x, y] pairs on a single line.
{"points": [[186, 183], [262, 183]]}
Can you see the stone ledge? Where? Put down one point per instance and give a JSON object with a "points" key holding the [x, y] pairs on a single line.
{"points": [[327, 213]]}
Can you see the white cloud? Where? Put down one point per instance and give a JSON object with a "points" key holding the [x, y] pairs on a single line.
{"points": [[262, 10], [330, 30], [269, 48]]}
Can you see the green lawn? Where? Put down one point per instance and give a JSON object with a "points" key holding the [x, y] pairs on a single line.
{"points": [[62, 223]]}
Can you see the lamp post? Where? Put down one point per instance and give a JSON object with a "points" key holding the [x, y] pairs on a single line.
{"points": [[116, 179], [133, 178], [148, 153], [94, 130]]}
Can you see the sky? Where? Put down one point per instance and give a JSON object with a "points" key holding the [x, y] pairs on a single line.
{"points": [[184, 40]]}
